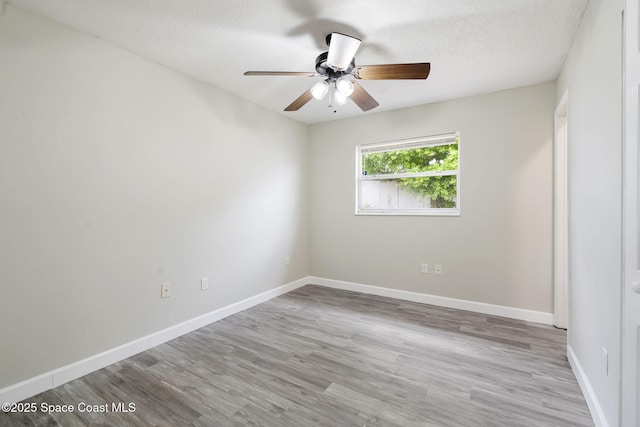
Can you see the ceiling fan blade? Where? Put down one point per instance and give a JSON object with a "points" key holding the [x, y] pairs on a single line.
{"points": [[281, 73], [300, 101], [342, 49], [392, 71], [362, 98]]}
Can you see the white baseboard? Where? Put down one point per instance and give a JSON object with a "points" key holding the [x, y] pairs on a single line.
{"points": [[57, 377], [49, 380], [589, 395], [479, 307]]}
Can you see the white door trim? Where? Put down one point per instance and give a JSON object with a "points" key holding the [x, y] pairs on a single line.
{"points": [[561, 213], [630, 340]]}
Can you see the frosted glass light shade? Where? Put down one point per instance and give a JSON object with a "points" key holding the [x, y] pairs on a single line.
{"points": [[342, 49], [344, 86], [339, 98], [319, 90]]}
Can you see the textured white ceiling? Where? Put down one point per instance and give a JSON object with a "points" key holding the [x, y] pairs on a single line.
{"points": [[474, 46]]}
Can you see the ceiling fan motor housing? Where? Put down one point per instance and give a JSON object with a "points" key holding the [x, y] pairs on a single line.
{"points": [[323, 68]]}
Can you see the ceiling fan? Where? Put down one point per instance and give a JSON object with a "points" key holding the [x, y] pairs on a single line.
{"points": [[338, 68]]}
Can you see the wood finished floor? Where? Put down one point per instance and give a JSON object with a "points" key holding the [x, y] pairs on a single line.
{"points": [[323, 357]]}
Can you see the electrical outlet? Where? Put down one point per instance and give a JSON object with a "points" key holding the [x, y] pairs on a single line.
{"points": [[605, 361], [204, 283], [424, 268], [438, 269], [165, 290], [287, 260]]}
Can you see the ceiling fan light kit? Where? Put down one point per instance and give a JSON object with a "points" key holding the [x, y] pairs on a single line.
{"points": [[319, 90], [337, 66], [339, 98], [344, 86]]}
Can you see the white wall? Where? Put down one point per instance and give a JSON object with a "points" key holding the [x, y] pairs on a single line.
{"points": [[593, 76], [498, 251], [117, 174]]}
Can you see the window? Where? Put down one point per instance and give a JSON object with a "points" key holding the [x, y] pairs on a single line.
{"points": [[409, 177]]}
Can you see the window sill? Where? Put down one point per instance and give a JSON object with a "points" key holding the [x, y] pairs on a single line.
{"points": [[452, 212]]}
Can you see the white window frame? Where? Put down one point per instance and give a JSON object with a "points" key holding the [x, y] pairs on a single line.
{"points": [[427, 141]]}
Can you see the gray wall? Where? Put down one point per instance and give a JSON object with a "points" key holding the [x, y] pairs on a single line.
{"points": [[117, 174], [498, 251], [593, 76]]}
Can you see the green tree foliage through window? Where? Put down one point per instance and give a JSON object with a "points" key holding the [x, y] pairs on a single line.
{"points": [[440, 189]]}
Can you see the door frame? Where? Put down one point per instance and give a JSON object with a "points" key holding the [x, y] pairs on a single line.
{"points": [[630, 327], [561, 266]]}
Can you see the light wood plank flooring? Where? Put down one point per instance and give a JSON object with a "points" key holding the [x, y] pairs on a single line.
{"points": [[324, 357]]}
